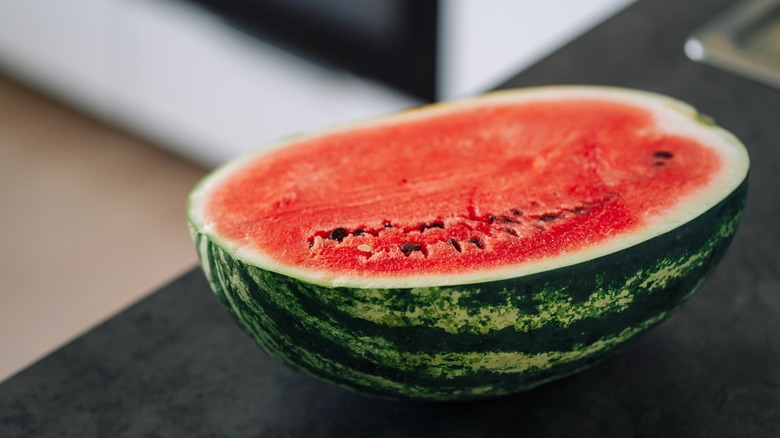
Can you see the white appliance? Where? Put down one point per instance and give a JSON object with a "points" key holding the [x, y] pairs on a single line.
{"points": [[183, 77]]}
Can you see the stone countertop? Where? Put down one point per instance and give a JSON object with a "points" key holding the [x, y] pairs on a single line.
{"points": [[175, 364]]}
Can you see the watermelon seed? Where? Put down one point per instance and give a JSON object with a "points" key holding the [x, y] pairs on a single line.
{"points": [[365, 248], [360, 232], [507, 219], [436, 225], [311, 243], [477, 242], [517, 212], [510, 231], [410, 247], [663, 154], [548, 217], [388, 225], [454, 243], [338, 234]]}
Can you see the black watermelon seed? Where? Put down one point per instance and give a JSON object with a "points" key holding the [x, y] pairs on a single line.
{"points": [[477, 242], [517, 212], [662, 154], [507, 219], [510, 231], [388, 225], [492, 218], [436, 225], [409, 247], [548, 217], [338, 234], [454, 243], [311, 243], [359, 232]]}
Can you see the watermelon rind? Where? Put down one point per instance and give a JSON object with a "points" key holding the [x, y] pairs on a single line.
{"points": [[486, 333]]}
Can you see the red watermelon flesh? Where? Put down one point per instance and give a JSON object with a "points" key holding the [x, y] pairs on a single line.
{"points": [[479, 187]]}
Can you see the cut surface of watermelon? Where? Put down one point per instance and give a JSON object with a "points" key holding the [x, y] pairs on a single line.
{"points": [[509, 184]]}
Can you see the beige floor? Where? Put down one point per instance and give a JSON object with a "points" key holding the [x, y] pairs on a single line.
{"points": [[91, 220]]}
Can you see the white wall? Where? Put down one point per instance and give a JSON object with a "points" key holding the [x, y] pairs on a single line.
{"points": [[485, 42]]}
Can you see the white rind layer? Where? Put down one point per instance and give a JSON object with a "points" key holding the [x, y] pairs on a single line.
{"points": [[671, 116]]}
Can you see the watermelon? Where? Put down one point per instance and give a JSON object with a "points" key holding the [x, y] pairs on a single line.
{"points": [[474, 248]]}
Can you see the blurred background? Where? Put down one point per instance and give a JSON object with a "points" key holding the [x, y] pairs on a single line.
{"points": [[111, 110]]}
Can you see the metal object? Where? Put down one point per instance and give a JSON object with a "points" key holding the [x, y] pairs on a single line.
{"points": [[744, 40]]}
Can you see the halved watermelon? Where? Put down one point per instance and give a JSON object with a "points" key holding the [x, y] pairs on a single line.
{"points": [[471, 248]]}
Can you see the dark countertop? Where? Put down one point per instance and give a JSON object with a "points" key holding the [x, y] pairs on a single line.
{"points": [[176, 365]]}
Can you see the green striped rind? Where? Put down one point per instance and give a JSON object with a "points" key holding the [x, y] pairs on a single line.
{"points": [[472, 340]]}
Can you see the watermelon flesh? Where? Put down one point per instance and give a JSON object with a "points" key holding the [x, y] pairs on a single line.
{"points": [[485, 188]]}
